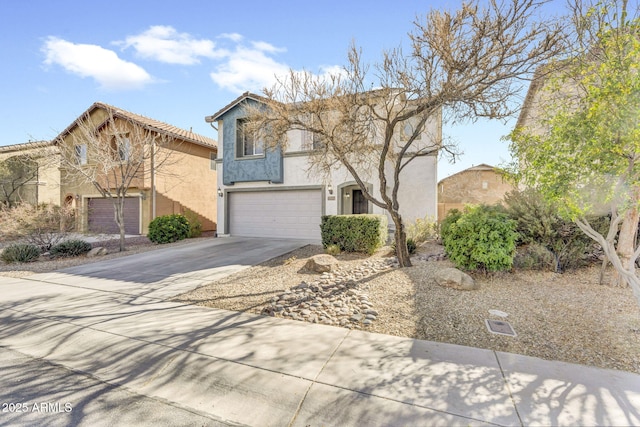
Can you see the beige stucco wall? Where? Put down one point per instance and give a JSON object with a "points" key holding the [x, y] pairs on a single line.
{"points": [[471, 187], [47, 187]]}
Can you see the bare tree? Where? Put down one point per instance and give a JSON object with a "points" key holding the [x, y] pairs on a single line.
{"points": [[19, 172], [114, 154], [465, 64]]}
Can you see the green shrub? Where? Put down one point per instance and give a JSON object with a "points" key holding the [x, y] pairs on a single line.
{"points": [[452, 216], [411, 246], [70, 248], [168, 228], [333, 250], [533, 257], [538, 222], [354, 233], [483, 238], [195, 225], [20, 252]]}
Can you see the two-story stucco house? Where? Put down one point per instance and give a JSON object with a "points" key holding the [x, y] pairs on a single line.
{"points": [[269, 193], [184, 183]]}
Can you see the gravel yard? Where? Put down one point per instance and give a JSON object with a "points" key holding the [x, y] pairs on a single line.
{"points": [[567, 317]]}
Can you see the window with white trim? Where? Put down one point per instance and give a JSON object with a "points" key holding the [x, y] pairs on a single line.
{"points": [[81, 154], [246, 144]]}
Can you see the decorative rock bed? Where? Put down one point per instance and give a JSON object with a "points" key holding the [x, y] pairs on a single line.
{"points": [[336, 298]]}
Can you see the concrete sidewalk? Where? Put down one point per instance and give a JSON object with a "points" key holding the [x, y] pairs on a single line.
{"points": [[118, 353]]}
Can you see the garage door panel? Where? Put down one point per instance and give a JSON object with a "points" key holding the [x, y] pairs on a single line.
{"points": [[101, 217], [286, 214]]}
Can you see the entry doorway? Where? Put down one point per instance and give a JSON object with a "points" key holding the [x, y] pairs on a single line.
{"points": [[359, 204]]}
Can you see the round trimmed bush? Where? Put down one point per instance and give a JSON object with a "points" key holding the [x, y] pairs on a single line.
{"points": [[482, 238], [69, 248], [168, 228], [20, 252]]}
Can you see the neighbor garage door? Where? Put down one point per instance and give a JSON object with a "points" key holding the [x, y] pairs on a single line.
{"points": [[101, 218], [293, 214]]}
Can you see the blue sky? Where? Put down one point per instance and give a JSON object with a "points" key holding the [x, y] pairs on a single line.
{"points": [[178, 61]]}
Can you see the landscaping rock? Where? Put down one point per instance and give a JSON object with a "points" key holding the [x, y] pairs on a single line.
{"points": [[322, 263], [334, 298], [456, 279], [97, 251]]}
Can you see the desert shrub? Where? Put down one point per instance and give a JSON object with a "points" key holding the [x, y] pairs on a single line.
{"points": [[422, 230], [333, 250], [168, 228], [411, 246], [354, 233], [538, 222], [533, 257], [483, 238], [70, 248], [195, 225], [20, 252], [43, 225], [452, 216]]}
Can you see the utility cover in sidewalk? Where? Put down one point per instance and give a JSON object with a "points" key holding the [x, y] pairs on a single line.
{"points": [[500, 327]]}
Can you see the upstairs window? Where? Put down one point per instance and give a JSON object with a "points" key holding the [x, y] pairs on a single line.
{"points": [[246, 144], [124, 150], [311, 141], [81, 154]]}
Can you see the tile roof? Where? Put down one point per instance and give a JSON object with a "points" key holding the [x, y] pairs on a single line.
{"points": [[25, 146], [149, 123]]}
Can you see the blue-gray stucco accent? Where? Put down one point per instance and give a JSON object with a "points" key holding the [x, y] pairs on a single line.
{"points": [[268, 167]]}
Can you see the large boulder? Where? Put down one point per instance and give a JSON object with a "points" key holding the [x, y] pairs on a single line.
{"points": [[97, 251], [456, 279], [321, 263]]}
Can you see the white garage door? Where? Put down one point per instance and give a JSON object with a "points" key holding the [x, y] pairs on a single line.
{"points": [[292, 214]]}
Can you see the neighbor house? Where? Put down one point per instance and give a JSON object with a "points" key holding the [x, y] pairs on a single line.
{"points": [[184, 181], [269, 193], [30, 172], [481, 184]]}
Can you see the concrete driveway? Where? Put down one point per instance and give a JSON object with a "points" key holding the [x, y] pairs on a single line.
{"points": [[101, 345]]}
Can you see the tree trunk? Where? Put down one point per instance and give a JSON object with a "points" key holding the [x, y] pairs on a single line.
{"points": [[120, 220], [627, 243], [401, 240]]}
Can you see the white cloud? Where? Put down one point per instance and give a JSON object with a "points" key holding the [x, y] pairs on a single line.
{"points": [[103, 65], [248, 67], [165, 44]]}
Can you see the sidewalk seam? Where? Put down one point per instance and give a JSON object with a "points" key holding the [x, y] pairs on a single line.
{"points": [[506, 383], [314, 380]]}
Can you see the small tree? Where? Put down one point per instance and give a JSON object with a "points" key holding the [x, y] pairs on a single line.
{"points": [[114, 154], [19, 173], [584, 150], [463, 65]]}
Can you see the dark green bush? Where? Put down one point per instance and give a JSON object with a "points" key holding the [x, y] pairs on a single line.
{"points": [[195, 225], [533, 257], [452, 216], [168, 228], [483, 238], [354, 233], [411, 246], [20, 252], [70, 248], [538, 223]]}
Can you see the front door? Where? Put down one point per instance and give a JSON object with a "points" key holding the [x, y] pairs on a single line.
{"points": [[359, 203]]}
